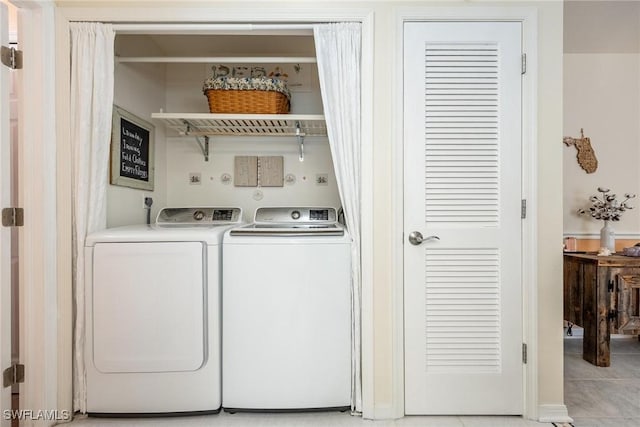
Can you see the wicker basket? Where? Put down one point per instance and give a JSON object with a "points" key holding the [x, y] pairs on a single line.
{"points": [[247, 101]]}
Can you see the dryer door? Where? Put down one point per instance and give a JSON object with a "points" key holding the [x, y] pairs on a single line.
{"points": [[148, 306]]}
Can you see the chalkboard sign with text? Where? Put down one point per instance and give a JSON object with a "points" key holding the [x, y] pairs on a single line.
{"points": [[131, 151]]}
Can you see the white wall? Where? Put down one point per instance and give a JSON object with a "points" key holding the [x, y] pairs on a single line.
{"points": [[601, 26], [186, 157], [147, 88], [184, 94], [549, 209], [602, 95], [139, 89]]}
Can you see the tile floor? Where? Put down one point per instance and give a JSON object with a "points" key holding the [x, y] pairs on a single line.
{"points": [[305, 420], [595, 397], [603, 397]]}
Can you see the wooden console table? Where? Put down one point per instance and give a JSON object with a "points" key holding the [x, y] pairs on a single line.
{"points": [[601, 294]]}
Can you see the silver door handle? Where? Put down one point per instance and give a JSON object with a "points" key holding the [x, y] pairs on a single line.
{"points": [[415, 238]]}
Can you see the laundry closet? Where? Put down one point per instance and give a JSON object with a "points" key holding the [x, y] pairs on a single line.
{"points": [[195, 162], [182, 303]]}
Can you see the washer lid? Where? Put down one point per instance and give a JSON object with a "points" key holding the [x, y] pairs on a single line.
{"points": [[197, 216], [289, 229], [210, 235]]}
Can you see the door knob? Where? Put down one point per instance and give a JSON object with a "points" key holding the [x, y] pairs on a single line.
{"points": [[415, 238]]}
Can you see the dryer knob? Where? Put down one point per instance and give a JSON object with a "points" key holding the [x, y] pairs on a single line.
{"points": [[198, 215], [295, 214]]}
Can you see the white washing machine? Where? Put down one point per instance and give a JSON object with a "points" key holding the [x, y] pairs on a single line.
{"points": [[287, 312], [153, 314]]}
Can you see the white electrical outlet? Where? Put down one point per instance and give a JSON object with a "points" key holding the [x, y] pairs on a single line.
{"points": [[322, 179], [145, 197], [195, 178]]}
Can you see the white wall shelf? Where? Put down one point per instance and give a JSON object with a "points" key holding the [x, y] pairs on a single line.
{"points": [[220, 59], [244, 124], [206, 125]]}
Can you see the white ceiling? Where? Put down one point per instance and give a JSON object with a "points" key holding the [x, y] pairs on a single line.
{"points": [[604, 26]]}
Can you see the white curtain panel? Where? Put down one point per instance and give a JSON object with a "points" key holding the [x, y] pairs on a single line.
{"points": [[92, 68], [338, 52]]}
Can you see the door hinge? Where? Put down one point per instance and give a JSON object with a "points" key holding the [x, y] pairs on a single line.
{"points": [[524, 353], [12, 57], [524, 63], [523, 208], [13, 375], [12, 217], [610, 285]]}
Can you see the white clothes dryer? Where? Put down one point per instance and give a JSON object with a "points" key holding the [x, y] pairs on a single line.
{"points": [[152, 297], [287, 312]]}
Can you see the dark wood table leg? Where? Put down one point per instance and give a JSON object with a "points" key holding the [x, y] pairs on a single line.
{"points": [[595, 348], [603, 357]]}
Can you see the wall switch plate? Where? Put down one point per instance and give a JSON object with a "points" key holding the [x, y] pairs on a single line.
{"points": [[322, 179], [195, 178]]}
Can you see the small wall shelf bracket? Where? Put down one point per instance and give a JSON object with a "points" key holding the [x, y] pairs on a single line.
{"points": [[300, 137], [204, 146]]}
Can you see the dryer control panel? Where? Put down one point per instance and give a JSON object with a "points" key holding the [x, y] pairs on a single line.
{"points": [[198, 216]]}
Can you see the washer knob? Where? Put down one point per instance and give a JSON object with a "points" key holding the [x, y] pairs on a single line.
{"points": [[295, 214], [198, 215]]}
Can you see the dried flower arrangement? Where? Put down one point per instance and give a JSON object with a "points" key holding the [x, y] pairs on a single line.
{"points": [[607, 207]]}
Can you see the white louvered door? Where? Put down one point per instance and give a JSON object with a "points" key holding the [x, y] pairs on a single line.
{"points": [[462, 183]]}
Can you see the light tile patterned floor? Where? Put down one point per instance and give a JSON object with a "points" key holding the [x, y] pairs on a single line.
{"points": [[305, 420], [603, 397]]}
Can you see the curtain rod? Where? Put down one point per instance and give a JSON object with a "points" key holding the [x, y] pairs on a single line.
{"points": [[155, 28]]}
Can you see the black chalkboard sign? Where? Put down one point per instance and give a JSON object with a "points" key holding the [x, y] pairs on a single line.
{"points": [[131, 151]]}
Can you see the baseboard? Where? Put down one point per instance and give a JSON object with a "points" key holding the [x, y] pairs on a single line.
{"points": [[386, 412], [546, 413], [553, 413]]}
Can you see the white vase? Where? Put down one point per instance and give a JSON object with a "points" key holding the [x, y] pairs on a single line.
{"points": [[608, 237]]}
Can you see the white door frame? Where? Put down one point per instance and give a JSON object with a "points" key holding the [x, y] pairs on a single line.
{"points": [[6, 286], [528, 17], [39, 322], [264, 14]]}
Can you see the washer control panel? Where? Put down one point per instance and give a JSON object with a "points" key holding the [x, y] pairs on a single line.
{"points": [[295, 214], [198, 216]]}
